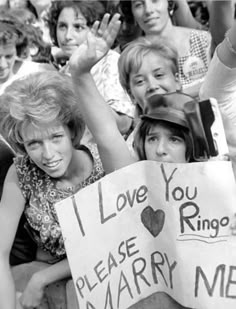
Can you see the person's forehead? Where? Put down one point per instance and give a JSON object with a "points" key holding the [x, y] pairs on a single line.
{"points": [[7, 49], [152, 60], [41, 131], [41, 2], [68, 12]]}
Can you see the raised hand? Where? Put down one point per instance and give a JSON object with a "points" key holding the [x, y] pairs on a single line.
{"points": [[99, 40]]}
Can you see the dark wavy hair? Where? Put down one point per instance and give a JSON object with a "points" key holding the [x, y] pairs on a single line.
{"points": [[91, 10], [10, 24], [144, 128], [130, 30]]}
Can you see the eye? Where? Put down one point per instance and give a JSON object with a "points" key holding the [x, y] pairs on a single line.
{"points": [[158, 75], [9, 57], [57, 137], [138, 82], [79, 27], [33, 145], [62, 26], [138, 4], [152, 139], [176, 139]]}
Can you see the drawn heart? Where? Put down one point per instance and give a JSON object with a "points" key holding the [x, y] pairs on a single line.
{"points": [[153, 220]]}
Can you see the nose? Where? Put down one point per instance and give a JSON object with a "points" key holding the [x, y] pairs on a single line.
{"points": [[47, 151], [152, 85], [148, 7], [161, 148], [3, 62], [69, 34]]}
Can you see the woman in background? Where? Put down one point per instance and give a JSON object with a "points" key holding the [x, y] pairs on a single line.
{"points": [[69, 22], [152, 18]]}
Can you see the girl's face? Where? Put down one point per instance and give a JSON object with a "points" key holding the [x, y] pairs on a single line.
{"points": [[155, 76], [72, 30], [163, 144], [18, 3], [40, 3], [7, 61], [50, 147], [152, 16]]}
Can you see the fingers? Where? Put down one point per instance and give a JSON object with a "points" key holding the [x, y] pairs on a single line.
{"points": [[113, 28], [104, 23], [106, 29], [95, 27]]}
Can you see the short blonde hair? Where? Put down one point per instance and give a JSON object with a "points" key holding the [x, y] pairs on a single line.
{"points": [[132, 56], [37, 99]]}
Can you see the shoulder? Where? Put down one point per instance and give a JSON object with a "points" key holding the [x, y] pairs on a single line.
{"points": [[111, 58], [11, 184], [200, 37], [28, 173], [97, 163], [93, 150], [191, 34], [12, 175]]}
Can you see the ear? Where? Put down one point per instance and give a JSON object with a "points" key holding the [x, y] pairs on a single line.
{"points": [[178, 84]]}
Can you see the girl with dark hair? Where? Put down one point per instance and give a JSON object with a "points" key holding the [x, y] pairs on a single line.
{"points": [[69, 23]]}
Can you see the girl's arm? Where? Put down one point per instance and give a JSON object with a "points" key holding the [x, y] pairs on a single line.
{"points": [[221, 19], [11, 207], [113, 150], [34, 291], [220, 83], [227, 49], [183, 16]]}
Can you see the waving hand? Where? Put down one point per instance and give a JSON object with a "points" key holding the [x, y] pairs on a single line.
{"points": [[99, 40]]}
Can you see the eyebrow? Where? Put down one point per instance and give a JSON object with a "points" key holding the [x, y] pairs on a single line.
{"points": [[133, 1], [152, 133], [29, 141], [154, 70], [50, 135]]}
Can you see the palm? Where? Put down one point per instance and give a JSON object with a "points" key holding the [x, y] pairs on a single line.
{"points": [[98, 43]]}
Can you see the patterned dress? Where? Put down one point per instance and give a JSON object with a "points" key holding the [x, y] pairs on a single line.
{"points": [[194, 66], [41, 193]]}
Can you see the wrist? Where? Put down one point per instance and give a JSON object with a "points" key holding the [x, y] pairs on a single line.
{"points": [[228, 40], [39, 280], [79, 75]]}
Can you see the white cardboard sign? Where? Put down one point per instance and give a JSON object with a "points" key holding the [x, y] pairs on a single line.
{"points": [[154, 236]]}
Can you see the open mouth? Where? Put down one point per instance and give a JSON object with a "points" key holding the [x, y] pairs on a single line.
{"points": [[70, 46], [3, 72], [151, 20], [52, 165]]}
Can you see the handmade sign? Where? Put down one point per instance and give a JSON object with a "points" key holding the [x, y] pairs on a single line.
{"points": [[154, 236]]}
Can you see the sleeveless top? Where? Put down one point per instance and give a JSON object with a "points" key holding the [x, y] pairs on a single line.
{"points": [[41, 194], [194, 65]]}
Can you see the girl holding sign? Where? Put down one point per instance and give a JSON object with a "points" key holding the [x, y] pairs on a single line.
{"points": [[40, 119]]}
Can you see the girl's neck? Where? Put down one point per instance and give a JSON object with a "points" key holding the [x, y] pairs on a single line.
{"points": [[167, 32], [79, 170]]}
